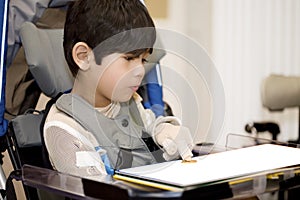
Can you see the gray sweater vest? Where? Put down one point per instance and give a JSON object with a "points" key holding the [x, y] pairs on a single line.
{"points": [[124, 138]]}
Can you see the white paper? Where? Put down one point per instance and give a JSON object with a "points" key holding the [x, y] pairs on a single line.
{"points": [[220, 166]]}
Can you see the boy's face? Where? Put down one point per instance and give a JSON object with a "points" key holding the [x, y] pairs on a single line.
{"points": [[120, 77]]}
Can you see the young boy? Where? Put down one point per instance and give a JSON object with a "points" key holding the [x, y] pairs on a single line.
{"points": [[101, 125]]}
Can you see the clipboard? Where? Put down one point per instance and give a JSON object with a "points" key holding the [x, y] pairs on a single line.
{"points": [[213, 168]]}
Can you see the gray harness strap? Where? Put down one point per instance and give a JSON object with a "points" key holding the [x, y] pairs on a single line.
{"points": [[120, 137]]}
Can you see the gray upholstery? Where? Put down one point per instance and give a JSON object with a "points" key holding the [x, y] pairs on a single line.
{"points": [[45, 57], [279, 92]]}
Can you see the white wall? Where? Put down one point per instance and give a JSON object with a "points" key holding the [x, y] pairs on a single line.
{"points": [[252, 39], [248, 40]]}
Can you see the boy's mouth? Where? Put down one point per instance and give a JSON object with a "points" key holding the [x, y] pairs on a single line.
{"points": [[135, 88]]}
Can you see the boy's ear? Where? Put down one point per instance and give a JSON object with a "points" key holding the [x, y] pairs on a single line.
{"points": [[80, 53]]}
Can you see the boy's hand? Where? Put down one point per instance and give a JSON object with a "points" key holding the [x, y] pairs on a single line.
{"points": [[176, 140]]}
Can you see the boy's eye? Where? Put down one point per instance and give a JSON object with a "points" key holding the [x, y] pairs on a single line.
{"points": [[144, 60], [129, 58]]}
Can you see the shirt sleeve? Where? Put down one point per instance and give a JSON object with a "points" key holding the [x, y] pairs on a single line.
{"points": [[72, 153], [150, 121]]}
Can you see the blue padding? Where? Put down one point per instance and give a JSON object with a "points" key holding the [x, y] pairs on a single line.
{"points": [[154, 91], [3, 47]]}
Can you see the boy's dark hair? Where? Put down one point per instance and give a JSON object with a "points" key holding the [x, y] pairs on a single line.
{"points": [[108, 26]]}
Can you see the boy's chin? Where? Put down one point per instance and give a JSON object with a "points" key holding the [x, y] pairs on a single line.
{"points": [[123, 99]]}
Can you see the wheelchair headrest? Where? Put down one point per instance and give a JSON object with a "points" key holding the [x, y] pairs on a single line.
{"points": [[45, 58]]}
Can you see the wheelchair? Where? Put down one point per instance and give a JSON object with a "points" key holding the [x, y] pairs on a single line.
{"points": [[45, 58]]}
